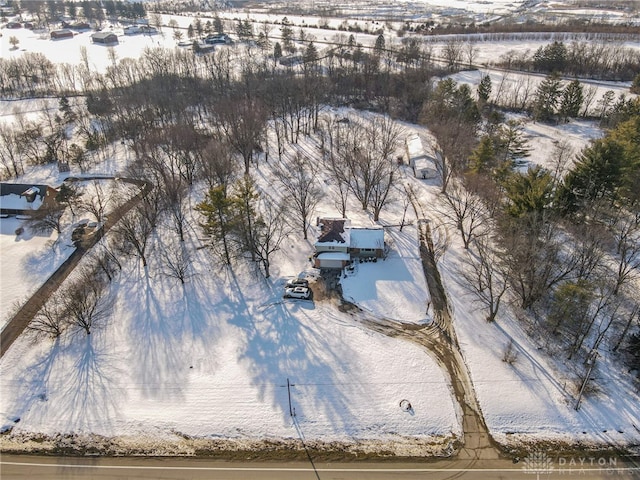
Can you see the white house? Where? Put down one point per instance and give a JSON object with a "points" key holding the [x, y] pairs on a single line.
{"points": [[338, 243]]}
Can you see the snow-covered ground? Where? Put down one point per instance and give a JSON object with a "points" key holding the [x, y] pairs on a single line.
{"points": [[393, 288], [211, 360], [28, 260]]}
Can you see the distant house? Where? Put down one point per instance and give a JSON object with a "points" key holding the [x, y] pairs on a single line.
{"points": [[105, 38], [423, 166], [338, 243], [60, 34], [21, 199], [218, 39], [131, 29]]}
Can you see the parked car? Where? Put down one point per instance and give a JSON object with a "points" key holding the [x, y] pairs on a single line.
{"points": [[297, 292], [296, 282]]}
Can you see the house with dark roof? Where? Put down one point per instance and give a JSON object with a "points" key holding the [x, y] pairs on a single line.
{"points": [[21, 199], [339, 243], [104, 38], [60, 34]]}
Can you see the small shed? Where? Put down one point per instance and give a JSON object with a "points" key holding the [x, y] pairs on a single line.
{"points": [[105, 38], [60, 34]]}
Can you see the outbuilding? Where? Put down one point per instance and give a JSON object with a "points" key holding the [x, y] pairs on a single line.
{"points": [[105, 38], [60, 34]]}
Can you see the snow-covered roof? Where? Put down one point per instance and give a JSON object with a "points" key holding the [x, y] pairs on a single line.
{"points": [[367, 238], [18, 202], [423, 163], [334, 256], [414, 146], [14, 197]]}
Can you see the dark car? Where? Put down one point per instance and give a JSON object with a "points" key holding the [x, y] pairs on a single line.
{"points": [[296, 282]]}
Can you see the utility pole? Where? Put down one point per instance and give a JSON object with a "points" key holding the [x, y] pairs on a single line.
{"points": [[289, 385]]}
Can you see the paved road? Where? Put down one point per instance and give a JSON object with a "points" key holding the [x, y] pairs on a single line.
{"points": [[54, 468]]}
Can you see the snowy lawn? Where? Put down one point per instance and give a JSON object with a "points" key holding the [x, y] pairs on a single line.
{"points": [[212, 361], [28, 260], [395, 287]]}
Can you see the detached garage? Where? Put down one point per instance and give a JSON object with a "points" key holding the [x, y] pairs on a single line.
{"points": [[337, 260]]}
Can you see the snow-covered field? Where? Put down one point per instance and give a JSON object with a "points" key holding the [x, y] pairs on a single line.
{"points": [[211, 360]]}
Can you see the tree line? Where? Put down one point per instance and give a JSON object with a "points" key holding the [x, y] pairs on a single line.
{"points": [[192, 120]]}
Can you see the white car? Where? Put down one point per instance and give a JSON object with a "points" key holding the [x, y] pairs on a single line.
{"points": [[297, 292]]}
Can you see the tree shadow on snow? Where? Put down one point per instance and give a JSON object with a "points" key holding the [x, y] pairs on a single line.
{"points": [[279, 346]]}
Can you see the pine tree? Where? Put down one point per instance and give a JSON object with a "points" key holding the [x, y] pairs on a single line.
{"points": [[572, 98], [483, 157], [218, 222], [218, 25], [287, 39], [635, 85], [277, 51], [190, 32], [511, 142], [310, 54], [484, 90], [380, 45], [546, 98]]}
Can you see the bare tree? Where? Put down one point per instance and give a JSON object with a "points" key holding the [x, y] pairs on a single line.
{"points": [[243, 121], [463, 210], [485, 275], [271, 228], [626, 233], [96, 200], [368, 157], [85, 303], [10, 158], [134, 231], [50, 320], [298, 177], [46, 218], [177, 261]]}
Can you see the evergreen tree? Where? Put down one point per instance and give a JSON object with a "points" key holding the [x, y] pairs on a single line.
{"points": [[219, 222], [484, 90], [277, 51], [310, 54], [551, 58], [572, 98], [635, 85], [512, 145], [380, 45], [244, 201], [218, 25], [596, 175], [287, 39], [529, 194], [483, 157], [190, 32], [546, 98]]}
